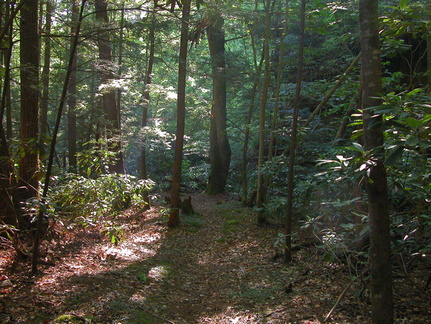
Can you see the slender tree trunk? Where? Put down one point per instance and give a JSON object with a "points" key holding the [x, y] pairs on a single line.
{"points": [[272, 143], [46, 72], [378, 215], [109, 102], [220, 152], [146, 103], [29, 114], [332, 91], [260, 190], [174, 216], [71, 100], [8, 187], [244, 178], [293, 138], [254, 91], [5, 108], [73, 47]]}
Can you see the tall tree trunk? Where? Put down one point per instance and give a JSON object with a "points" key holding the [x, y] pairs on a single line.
{"points": [[29, 114], [109, 102], [71, 100], [378, 215], [8, 186], [46, 72], [174, 216], [38, 233], [293, 139], [255, 89], [260, 191], [272, 142], [5, 108], [220, 152], [244, 177], [146, 103]]}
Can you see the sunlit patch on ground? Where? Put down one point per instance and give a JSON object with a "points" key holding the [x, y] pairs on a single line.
{"points": [[147, 237], [158, 273], [120, 252]]}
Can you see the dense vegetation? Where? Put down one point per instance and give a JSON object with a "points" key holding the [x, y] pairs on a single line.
{"points": [[116, 114]]}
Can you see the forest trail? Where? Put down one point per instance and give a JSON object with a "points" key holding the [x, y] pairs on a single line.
{"points": [[216, 267]]}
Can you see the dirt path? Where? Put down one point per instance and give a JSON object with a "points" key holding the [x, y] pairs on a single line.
{"points": [[217, 267]]}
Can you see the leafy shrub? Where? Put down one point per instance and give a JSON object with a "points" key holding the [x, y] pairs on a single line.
{"points": [[84, 200]]}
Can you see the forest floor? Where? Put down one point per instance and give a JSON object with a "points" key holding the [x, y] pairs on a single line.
{"points": [[218, 266]]}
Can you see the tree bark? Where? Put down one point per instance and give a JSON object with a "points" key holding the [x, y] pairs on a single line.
{"points": [[71, 101], [220, 152], [6, 100], [8, 187], [38, 232], [146, 103], [46, 72], [29, 112], [255, 89], [293, 139], [109, 102], [174, 216], [260, 190], [378, 214]]}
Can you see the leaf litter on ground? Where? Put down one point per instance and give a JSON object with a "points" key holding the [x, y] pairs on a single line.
{"points": [[218, 266]]}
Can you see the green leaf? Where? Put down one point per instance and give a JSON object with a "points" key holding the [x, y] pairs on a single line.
{"points": [[394, 155], [412, 141], [412, 122], [358, 147]]}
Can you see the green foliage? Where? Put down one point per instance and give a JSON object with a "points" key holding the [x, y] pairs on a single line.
{"points": [[95, 159], [83, 200], [114, 233]]}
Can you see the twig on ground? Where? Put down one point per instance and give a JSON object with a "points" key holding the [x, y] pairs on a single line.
{"points": [[341, 296]]}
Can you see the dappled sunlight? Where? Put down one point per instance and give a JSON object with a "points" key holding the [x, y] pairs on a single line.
{"points": [[158, 273], [144, 237], [122, 252]]}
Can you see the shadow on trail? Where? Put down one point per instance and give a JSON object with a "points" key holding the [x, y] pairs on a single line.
{"points": [[214, 268]]}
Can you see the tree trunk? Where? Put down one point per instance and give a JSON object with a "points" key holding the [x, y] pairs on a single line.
{"points": [[109, 102], [272, 149], [146, 103], [220, 152], [29, 114], [46, 72], [71, 102], [378, 215], [6, 100], [40, 216], [8, 186], [255, 89], [174, 216], [293, 139], [260, 190]]}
